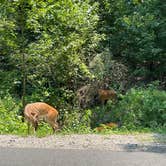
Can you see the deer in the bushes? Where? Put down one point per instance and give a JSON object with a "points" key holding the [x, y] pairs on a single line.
{"points": [[110, 125], [35, 112], [105, 95]]}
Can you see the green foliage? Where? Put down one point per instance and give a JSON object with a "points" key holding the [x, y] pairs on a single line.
{"points": [[54, 37], [134, 33], [9, 83], [61, 35], [100, 114], [10, 122], [44, 129], [59, 46], [77, 121], [142, 108]]}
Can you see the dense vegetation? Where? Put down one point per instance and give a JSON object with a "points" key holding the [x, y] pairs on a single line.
{"points": [[50, 49]]}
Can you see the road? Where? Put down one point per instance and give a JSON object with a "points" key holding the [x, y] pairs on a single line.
{"points": [[55, 157]]}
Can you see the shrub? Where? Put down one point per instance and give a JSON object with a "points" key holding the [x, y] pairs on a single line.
{"points": [[101, 114], [142, 108], [10, 122], [77, 121]]}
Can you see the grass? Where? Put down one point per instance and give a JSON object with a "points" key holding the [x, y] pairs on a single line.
{"points": [[133, 131], [45, 130]]}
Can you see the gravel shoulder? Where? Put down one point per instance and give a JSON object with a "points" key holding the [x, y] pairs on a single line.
{"points": [[138, 142]]}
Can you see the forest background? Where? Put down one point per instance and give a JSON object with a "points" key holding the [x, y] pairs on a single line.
{"points": [[50, 49]]}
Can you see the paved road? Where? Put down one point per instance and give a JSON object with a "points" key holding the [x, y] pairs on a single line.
{"points": [[55, 157]]}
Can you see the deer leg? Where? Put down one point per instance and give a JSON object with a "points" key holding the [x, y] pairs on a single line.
{"points": [[35, 122], [34, 125], [28, 124], [105, 102]]}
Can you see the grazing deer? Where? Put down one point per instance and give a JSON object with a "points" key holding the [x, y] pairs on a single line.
{"points": [[105, 95], [110, 125], [36, 112]]}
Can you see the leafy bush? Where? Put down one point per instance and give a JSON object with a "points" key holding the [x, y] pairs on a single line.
{"points": [[139, 108], [9, 83], [77, 121], [102, 114], [142, 108], [10, 122]]}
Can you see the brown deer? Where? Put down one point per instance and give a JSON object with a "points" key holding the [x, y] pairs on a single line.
{"points": [[105, 95], [38, 111], [110, 125]]}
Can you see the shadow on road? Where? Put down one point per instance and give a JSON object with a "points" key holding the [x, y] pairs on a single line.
{"points": [[155, 143], [144, 148]]}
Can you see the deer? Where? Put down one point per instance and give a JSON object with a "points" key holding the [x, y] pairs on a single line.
{"points": [[110, 125], [105, 95], [36, 112]]}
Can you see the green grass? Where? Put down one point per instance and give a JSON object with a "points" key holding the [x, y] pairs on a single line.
{"points": [[42, 131], [132, 131], [45, 130]]}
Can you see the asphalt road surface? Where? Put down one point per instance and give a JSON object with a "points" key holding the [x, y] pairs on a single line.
{"points": [[55, 157]]}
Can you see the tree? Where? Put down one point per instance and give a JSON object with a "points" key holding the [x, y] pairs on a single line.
{"points": [[50, 38], [134, 35]]}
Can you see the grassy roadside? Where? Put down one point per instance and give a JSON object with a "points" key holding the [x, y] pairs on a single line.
{"points": [[143, 135], [45, 130]]}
